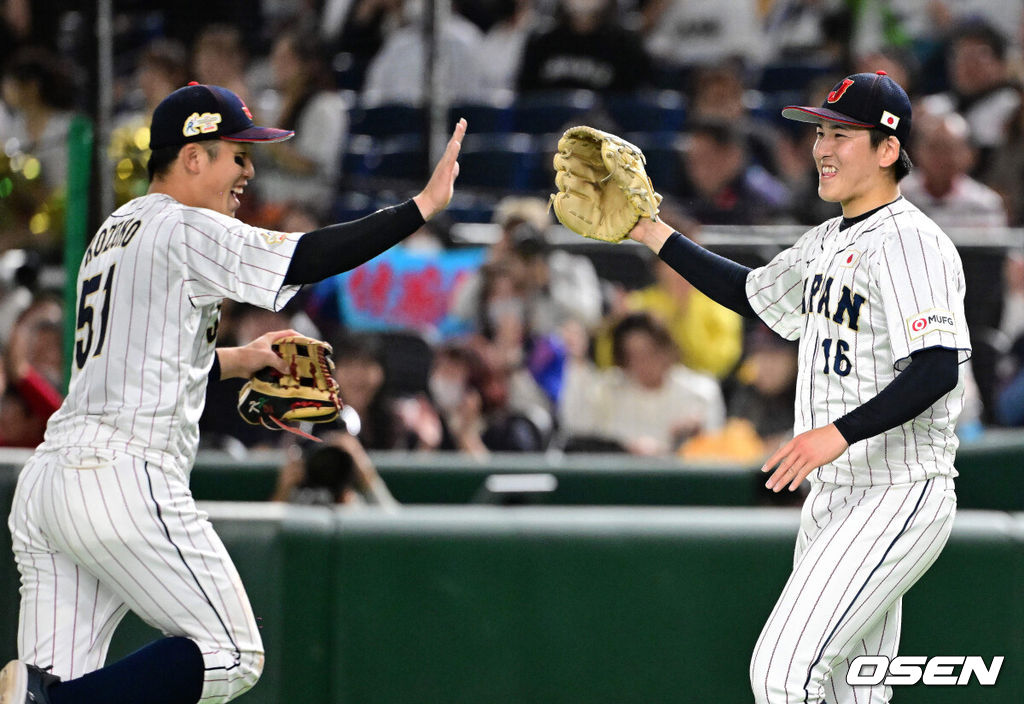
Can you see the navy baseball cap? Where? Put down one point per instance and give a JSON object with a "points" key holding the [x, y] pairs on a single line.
{"points": [[198, 112], [862, 100]]}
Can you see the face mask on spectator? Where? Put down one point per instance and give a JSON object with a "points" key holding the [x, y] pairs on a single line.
{"points": [[447, 394]]}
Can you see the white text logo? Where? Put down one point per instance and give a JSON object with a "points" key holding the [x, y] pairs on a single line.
{"points": [[911, 669]]}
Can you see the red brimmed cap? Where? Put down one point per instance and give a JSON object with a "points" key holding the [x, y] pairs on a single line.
{"points": [[871, 100], [198, 112]]}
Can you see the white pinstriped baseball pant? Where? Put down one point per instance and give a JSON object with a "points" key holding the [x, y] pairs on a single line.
{"points": [[95, 538], [859, 550]]}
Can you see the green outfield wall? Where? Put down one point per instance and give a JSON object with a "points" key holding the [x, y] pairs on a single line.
{"points": [[562, 604]]}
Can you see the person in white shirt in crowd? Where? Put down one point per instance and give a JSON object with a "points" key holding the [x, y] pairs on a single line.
{"points": [[304, 170], [397, 73], [941, 185], [685, 33], [982, 88], [649, 403]]}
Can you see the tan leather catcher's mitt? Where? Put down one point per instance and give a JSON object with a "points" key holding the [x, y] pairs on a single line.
{"points": [[603, 188]]}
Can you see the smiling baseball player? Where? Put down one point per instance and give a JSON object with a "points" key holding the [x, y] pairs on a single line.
{"points": [[102, 519], [875, 298]]}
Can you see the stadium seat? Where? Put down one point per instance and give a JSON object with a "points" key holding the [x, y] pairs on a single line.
{"points": [[538, 113], [351, 205], [471, 208], [790, 76], [355, 161], [483, 118], [655, 111], [388, 120], [501, 161], [401, 156], [662, 153]]}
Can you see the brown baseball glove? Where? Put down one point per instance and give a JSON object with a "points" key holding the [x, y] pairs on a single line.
{"points": [[308, 393]]}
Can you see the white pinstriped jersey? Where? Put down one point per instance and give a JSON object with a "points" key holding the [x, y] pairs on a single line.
{"points": [[861, 300], [149, 293]]}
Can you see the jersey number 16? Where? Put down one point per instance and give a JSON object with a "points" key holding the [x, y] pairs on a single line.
{"points": [[86, 315]]}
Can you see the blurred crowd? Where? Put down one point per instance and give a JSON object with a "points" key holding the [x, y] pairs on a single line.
{"points": [[485, 331]]}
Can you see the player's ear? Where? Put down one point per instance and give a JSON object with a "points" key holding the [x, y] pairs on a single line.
{"points": [[190, 157], [888, 152]]}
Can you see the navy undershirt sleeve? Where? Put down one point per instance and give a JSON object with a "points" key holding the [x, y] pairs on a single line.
{"points": [[337, 248], [720, 279], [215, 369], [930, 374]]}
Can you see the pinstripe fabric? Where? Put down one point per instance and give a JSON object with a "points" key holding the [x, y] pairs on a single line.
{"points": [[860, 301], [142, 391], [902, 265], [860, 549], [147, 547], [103, 520]]}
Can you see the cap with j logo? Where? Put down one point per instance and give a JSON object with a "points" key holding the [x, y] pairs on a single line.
{"points": [[871, 100]]}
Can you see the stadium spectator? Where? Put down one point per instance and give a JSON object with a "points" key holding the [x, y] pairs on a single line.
{"points": [[805, 32], [690, 33], [648, 404], [1010, 400], [468, 408], [981, 88], [719, 95], [720, 186], [557, 285], [575, 52], [338, 472], [305, 169], [33, 370], [397, 73], [763, 390], [940, 185], [708, 337], [1006, 175], [501, 51], [219, 58], [355, 30], [38, 91], [362, 385], [162, 69]]}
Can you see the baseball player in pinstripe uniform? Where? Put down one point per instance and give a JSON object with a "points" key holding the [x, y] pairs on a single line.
{"points": [[102, 519], [875, 298]]}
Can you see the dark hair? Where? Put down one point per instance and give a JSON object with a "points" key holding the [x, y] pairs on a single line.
{"points": [[53, 77], [309, 50], [903, 165], [169, 58], [639, 322], [977, 30], [160, 160], [723, 135], [330, 468]]}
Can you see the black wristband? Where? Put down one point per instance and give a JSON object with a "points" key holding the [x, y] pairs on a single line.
{"points": [[215, 369]]}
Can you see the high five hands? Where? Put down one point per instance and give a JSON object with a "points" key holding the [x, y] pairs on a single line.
{"points": [[436, 195]]}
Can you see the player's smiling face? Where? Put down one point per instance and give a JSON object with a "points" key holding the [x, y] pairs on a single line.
{"points": [[850, 170], [226, 176]]}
